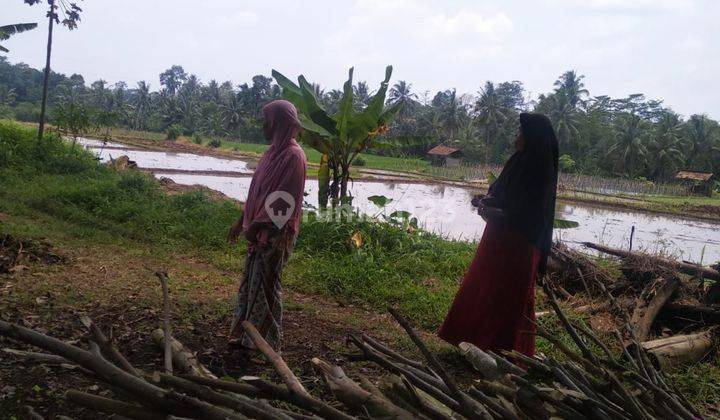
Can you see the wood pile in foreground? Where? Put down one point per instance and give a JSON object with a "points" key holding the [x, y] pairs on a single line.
{"points": [[583, 384]]}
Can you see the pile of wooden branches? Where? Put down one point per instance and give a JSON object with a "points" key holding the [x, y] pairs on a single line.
{"points": [[586, 385]]}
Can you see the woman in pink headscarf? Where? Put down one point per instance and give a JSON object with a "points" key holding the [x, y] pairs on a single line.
{"points": [[270, 222]]}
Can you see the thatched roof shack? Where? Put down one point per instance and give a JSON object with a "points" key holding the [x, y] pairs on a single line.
{"points": [[700, 182], [442, 155]]}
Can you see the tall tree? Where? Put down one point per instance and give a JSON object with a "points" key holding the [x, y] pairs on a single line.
{"points": [[9, 30], [666, 146], [401, 92], [142, 105], [629, 150], [71, 16], [572, 86], [490, 113], [173, 78]]}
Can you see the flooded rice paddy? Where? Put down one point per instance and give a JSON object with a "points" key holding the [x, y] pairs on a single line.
{"points": [[446, 210]]}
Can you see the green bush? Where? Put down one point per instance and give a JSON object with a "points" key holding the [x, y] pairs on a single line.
{"points": [[214, 143], [359, 161], [173, 132], [197, 138], [567, 164]]}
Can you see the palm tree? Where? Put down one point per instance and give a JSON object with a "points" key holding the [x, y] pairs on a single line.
{"points": [[490, 113], [361, 95], [9, 30], [572, 86], [400, 92], [629, 148], [142, 104], [666, 146], [565, 119], [449, 115], [698, 131]]}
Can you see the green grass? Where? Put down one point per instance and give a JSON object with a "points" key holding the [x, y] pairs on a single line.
{"points": [[417, 271]]}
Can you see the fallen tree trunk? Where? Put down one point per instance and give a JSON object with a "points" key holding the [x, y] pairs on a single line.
{"points": [[679, 349], [683, 267], [648, 305], [701, 314], [181, 356]]}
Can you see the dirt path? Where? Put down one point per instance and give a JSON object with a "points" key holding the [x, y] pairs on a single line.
{"points": [[116, 287]]}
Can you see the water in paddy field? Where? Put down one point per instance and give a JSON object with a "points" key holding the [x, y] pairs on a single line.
{"points": [[168, 160], [446, 210]]}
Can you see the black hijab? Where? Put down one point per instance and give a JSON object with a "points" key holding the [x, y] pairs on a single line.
{"points": [[526, 187]]}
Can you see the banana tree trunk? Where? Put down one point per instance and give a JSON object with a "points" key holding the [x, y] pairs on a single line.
{"points": [[323, 182]]}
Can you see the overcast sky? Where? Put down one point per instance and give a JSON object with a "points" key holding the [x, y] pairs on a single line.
{"points": [[666, 49]]}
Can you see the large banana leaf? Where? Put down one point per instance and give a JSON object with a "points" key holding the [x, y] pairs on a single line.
{"points": [[9, 30], [346, 107], [312, 116]]}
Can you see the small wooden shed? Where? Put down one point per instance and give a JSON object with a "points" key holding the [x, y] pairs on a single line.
{"points": [[700, 183], [442, 155]]}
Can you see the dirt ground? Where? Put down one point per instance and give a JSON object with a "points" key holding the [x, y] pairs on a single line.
{"points": [[118, 290]]}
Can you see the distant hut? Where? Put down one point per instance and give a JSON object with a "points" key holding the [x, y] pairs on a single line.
{"points": [[442, 155], [700, 183]]}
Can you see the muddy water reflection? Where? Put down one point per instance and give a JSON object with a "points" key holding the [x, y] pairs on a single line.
{"points": [[446, 210], [169, 160]]}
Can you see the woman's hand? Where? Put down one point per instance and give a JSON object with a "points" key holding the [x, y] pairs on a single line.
{"points": [[490, 213], [235, 231], [477, 200]]}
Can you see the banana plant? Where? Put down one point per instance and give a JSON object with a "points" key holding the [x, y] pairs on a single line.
{"points": [[339, 137], [8, 30]]}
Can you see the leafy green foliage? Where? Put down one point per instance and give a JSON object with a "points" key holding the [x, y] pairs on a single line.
{"points": [[214, 143], [343, 135], [173, 132]]}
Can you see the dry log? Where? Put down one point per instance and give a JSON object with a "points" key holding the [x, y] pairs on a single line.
{"points": [[390, 352], [481, 361], [253, 408], [700, 314], [683, 267], [679, 349], [150, 394], [352, 395], [304, 401], [111, 406], [46, 358], [470, 407], [278, 363], [650, 302], [183, 358], [167, 340], [107, 347], [400, 389]]}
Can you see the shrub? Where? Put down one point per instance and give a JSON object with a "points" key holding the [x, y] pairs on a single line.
{"points": [[173, 132], [567, 163], [359, 161], [197, 138], [214, 143]]}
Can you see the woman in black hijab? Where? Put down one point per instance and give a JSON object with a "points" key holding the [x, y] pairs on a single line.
{"points": [[494, 308]]}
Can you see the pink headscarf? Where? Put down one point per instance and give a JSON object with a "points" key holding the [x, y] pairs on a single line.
{"points": [[281, 168]]}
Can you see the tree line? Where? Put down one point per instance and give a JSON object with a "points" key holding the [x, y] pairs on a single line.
{"points": [[633, 137]]}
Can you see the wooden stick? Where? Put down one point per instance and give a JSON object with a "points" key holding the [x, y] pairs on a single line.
{"points": [[183, 358], [675, 350], [153, 395], [51, 359], [253, 408], [110, 406], [683, 267], [471, 408], [352, 395], [107, 347], [162, 275], [278, 363]]}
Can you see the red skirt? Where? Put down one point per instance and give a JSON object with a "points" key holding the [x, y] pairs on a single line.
{"points": [[494, 308]]}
